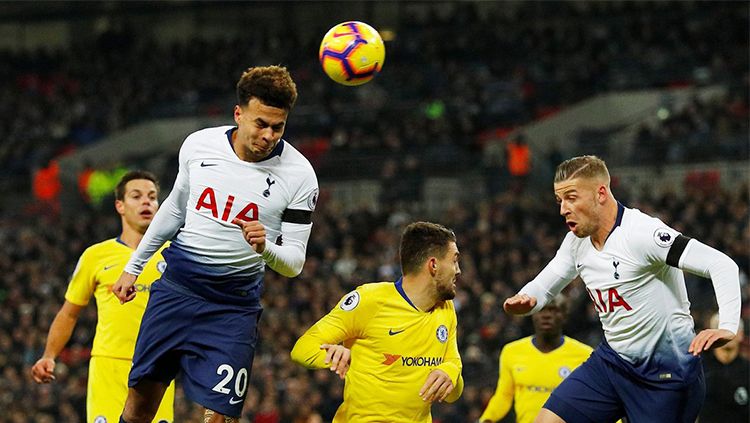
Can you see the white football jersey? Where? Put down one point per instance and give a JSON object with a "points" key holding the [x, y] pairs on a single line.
{"points": [[209, 255], [641, 300]]}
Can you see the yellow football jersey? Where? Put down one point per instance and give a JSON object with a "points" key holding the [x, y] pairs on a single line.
{"points": [[97, 270], [528, 376], [394, 346]]}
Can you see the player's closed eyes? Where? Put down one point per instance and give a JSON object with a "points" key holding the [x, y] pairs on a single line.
{"points": [[260, 124]]}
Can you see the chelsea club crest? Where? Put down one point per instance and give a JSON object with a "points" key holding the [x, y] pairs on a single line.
{"points": [[442, 333]]}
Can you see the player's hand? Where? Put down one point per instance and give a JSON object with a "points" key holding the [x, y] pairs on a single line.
{"points": [[43, 370], [254, 233], [437, 386], [338, 357], [519, 304], [124, 288], [710, 338]]}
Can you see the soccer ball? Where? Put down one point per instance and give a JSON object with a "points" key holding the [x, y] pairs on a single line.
{"points": [[352, 53]]}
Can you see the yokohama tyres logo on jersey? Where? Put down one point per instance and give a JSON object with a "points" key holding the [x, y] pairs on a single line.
{"points": [[421, 361], [207, 200]]}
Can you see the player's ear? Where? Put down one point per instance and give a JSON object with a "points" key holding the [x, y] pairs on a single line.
{"points": [[432, 265], [237, 113], [602, 193], [120, 207]]}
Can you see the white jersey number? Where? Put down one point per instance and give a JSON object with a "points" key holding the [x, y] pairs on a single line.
{"points": [[240, 384]]}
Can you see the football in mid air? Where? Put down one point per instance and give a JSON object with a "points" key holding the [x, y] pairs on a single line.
{"points": [[352, 53]]}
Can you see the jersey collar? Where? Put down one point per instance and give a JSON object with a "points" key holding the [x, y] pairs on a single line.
{"points": [[400, 288], [618, 220], [275, 152], [533, 342]]}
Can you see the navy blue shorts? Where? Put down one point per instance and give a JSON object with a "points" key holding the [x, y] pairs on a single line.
{"points": [[599, 392], [213, 344]]}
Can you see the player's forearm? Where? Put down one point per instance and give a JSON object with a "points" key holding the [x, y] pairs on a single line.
{"points": [[307, 352], [286, 260], [457, 390], [544, 287], [702, 260], [59, 334], [497, 407], [167, 221], [453, 369]]}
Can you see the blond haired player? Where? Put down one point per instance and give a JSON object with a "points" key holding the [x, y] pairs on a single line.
{"points": [[647, 368], [117, 327], [400, 336]]}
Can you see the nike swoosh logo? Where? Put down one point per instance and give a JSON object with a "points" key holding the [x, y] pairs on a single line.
{"points": [[203, 164], [109, 267], [233, 401], [395, 332], [578, 266]]}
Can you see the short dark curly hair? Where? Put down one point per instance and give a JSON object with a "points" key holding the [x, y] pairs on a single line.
{"points": [[272, 85], [420, 241]]}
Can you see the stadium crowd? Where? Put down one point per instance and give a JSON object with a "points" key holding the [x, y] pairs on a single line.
{"points": [[504, 241], [439, 90]]}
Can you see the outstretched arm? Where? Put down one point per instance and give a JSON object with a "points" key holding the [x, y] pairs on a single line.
{"points": [[59, 334], [549, 282], [167, 221], [318, 347], [537, 293], [700, 259]]}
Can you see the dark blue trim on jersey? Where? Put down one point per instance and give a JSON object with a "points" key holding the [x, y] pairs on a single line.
{"points": [[118, 239], [400, 288], [533, 342], [229, 133], [620, 213], [618, 220], [275, 152]]}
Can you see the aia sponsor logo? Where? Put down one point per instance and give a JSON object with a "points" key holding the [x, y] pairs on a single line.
{"points": [[207, 200], [610, 303]]}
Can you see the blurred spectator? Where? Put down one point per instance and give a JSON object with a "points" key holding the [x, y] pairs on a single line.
{"points": [[519, 162], [727, 381]]}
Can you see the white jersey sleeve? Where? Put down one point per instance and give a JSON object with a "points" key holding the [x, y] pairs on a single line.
{"points": [[167, 221], [702, 260], [674, 249], [286, 254], [558, 273]]}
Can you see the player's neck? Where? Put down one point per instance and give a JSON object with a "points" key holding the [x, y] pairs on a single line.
{"points": [[419, 292], [130, 237], [606, 224], [547, 343], [726, 355]]}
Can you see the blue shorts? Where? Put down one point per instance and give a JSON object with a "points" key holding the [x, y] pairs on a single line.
{"points": [[213, 344], [600, 392]]}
